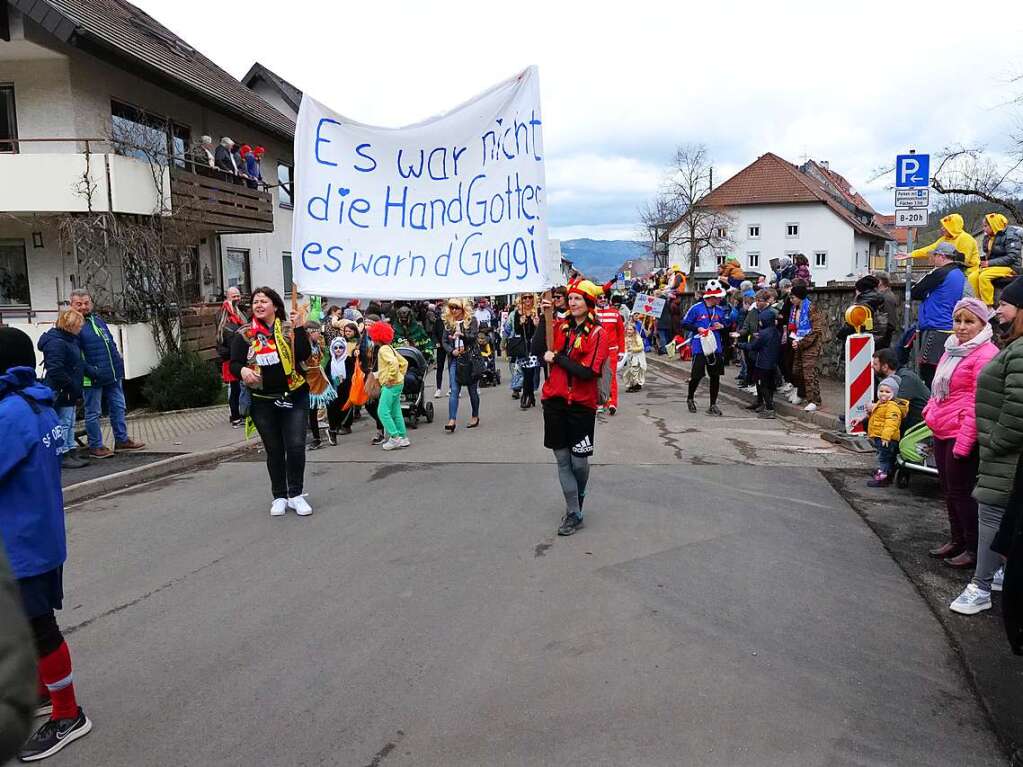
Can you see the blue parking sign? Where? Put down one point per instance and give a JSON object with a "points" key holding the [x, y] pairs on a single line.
{"points": [[912, 170]]}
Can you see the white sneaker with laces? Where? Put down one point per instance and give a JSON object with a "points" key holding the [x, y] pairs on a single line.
{"points": [[391, 444], [278, 507], [438, 394], [999, 579], [300, 505], [972, 601], [810, 408], [795, 399], [403, 442], [785, 388]]}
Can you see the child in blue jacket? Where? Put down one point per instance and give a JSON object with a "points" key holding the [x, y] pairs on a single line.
{"points": [[764, 351]]}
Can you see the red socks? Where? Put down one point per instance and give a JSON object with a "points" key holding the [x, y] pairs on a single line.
{"points": [[55, 672]]}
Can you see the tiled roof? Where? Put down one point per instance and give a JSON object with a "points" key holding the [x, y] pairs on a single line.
{"points": [[292, 96], [839, 183], [773, 180], [105, 27], [900, 234]]}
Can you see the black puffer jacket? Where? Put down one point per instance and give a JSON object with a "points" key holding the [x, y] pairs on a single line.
{"points": [[1003, 249]]}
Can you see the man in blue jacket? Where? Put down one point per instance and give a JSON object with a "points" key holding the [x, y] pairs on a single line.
{"points": [[101, 354], [32, 532], [939, 291]]}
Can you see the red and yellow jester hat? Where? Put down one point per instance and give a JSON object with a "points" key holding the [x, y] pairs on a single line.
{"points": [[587, 290]]}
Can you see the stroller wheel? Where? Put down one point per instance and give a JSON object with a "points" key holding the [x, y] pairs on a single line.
{"points": [[429, 412], [901, 479]]}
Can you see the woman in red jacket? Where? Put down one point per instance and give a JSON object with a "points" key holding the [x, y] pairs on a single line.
{"points": [[570, 396]]}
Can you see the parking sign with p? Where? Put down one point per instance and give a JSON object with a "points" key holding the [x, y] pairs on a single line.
{"points": [[912, 170]]}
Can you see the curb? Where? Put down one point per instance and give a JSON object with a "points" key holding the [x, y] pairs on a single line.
{"points": [[822, 420], [120, 480]]}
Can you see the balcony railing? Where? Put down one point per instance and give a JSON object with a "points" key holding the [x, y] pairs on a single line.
{"points": [[209, 197]]}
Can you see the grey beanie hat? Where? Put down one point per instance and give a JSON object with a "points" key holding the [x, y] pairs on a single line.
{"points": [[892, 382]]}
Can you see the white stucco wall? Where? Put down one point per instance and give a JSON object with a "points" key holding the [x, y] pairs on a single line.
{"points": [[820, 230], [63, 92], [47, 273]]}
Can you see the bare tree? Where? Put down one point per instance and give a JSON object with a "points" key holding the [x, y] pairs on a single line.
{"points": [[971, 173], [692, 225]]}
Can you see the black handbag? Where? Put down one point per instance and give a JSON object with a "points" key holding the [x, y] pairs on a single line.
{"points": [[469, 366], [516, 348]]}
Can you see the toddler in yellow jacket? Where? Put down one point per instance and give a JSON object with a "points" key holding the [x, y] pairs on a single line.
{"points": [[884, 429]]}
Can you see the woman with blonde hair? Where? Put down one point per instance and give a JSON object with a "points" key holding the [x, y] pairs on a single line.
{"points": [[519, 329], [65, 374], [460, 345]]}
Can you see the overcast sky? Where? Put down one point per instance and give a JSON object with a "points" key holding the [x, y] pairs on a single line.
{"points": [[623, 84]]}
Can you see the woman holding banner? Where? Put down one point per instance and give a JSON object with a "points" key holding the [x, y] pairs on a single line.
{"points": [[570, 396], [460, 330]]}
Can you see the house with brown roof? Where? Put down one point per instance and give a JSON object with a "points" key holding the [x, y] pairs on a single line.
{"points": [[76, 78], [776, 208]]}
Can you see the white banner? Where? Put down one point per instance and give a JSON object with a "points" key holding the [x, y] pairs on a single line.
{"points": [[453, 206]]}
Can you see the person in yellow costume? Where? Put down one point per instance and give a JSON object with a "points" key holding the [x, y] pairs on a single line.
{"points": [[1001, 256], [953, 232]]}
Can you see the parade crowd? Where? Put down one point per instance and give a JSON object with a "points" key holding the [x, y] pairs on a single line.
{"points": [[297, 375]]}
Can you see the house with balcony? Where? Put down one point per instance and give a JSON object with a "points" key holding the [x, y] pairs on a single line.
{"points": [[775, 208], [82, 84]]}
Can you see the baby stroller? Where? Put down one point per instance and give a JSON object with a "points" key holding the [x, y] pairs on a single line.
{"points": [[491, 375], [413, 402], [916, 454]]}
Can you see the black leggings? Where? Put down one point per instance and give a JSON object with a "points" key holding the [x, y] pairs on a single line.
{"points": [[283, 433], [440, 365], [700, 367], [234, 390], [46, 634]]}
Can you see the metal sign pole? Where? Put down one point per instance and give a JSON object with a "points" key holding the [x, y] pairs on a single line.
{"points": [[907, 310]]}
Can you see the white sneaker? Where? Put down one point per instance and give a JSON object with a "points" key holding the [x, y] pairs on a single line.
{"points": [[438, 394], [300, 505], [278, 507], [810, 408], [785, 388], [999, 579], [750, 390], [794, 398], [972, 601], [403, 442], [391, 444]]}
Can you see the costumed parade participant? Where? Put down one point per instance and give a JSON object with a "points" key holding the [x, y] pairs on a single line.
{"points": [[704, 320], [321, 390], [614, 337], [570, 396], [265, 360]]}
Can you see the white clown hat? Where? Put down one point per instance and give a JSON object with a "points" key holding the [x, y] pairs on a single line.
{"points": [[713, 289]]}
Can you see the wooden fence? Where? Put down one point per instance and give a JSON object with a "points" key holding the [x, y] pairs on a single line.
{"points": [[199, 330]]}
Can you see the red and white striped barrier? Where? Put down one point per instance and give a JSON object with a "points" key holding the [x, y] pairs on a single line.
{"points": [[859, 381]]}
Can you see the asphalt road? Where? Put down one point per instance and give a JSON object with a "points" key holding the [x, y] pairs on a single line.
{"points": [[723, 606]]}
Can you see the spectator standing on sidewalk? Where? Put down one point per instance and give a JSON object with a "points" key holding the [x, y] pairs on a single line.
{"points": [[939, 291], [892, 310], [1000, 437], [911, 387], [806, 333], [231, 319], [763, 350], [884, 428], [951, 416], [102, 356], [33, 535], [666, 329], [65, 373], [267, 361]]}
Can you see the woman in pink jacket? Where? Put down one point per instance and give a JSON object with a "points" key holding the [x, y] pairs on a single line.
{"points": [[951, 415]]}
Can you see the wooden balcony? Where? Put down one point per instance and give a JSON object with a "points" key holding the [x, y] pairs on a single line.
{"points": [[220, 204]]}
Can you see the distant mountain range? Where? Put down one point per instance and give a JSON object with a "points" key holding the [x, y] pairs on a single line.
{"points": [[598, 259]]}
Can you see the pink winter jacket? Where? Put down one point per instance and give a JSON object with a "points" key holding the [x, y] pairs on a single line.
{"points": [[956, 417]]}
